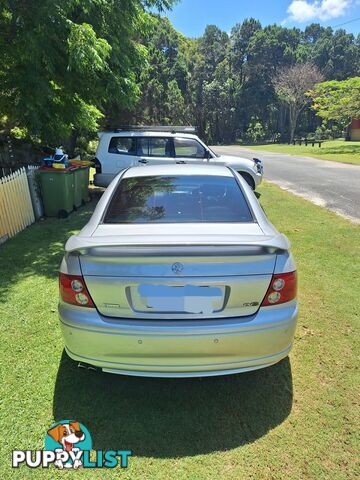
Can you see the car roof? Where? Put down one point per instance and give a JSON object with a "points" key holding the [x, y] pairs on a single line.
{"points": [[177, 169], [136, 133]]}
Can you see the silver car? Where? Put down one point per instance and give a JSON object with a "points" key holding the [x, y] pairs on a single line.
{"points": [[178, 274]]}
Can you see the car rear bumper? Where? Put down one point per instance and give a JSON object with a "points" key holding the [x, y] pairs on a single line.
{"points": [[178, 348]]}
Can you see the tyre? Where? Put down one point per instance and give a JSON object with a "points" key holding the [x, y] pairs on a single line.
{"points": [[249, 180]]}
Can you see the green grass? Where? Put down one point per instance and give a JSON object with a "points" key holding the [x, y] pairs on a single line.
{"points": [[335, 150], [294, 420]]}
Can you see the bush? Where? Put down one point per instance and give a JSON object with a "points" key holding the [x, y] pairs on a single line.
{"points": [[255, 132]]}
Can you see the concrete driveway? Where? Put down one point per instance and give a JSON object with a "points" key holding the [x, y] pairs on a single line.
{"points": [[332, 185]]}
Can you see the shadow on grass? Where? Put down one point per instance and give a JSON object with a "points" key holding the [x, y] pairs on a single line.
{"points": [[173, 417], [38, 249]]}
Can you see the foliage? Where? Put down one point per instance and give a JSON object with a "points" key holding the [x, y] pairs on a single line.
{"points": [[337, 100], [67, 63], [255, 132], [225, 81], [325, 131], [164, 83], [91, 63]]}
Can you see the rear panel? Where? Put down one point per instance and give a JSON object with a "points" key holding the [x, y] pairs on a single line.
{"points": [[185, 286]]}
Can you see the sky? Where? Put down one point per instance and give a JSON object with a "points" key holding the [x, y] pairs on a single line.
{"points": [[190, 17]]}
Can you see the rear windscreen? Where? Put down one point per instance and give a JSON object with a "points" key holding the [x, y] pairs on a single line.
{"points": [[178, 199]]}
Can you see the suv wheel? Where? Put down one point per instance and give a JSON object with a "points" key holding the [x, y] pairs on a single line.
{"points": [[246, 176]]}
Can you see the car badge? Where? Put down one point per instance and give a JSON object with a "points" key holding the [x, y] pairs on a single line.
{"points": [[177, 267]]}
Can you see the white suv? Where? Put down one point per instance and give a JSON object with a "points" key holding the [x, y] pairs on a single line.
{"points": [[138, 146]]}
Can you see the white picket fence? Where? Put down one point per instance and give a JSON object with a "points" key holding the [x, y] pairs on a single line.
{"points": [[16, 210]]}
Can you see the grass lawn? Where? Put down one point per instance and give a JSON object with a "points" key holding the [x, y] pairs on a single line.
{"points": [[297, 419], [335, 150]]}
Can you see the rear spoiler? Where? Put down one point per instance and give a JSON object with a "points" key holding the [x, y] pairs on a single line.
{"points": [[148, 246]]}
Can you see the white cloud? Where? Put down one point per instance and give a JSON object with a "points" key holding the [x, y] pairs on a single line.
{"points": [[303, 10]]}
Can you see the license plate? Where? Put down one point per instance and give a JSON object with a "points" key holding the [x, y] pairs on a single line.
{"points": [[187, 298]]}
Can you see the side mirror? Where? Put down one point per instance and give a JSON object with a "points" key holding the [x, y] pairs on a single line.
{"points": [[208, 155]]}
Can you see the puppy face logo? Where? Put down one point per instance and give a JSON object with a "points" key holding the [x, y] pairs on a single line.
{"points": [[68, 439], [67, 434], [68, 445]]}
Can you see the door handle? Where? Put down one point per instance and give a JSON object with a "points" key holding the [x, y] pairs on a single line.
{"points": [[181, 161], [143, 160]]}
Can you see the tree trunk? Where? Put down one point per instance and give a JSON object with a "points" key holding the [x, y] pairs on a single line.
{"points": [[292, 132], [293, 117], [72, 142], [348, 131]]}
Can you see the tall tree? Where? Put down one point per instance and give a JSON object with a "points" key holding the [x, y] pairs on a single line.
{"points": [[337, 54], [164, 78]]}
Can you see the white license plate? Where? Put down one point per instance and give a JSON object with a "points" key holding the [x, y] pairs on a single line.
{"points": [[187, 298]]}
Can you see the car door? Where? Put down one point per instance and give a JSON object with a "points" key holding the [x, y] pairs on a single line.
{"points": [[189, 150], [155, 150], [121, 154]]}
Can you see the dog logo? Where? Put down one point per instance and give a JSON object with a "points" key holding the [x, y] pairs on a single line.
{"points": [[177, 267], [69, 437], [68, 445]]}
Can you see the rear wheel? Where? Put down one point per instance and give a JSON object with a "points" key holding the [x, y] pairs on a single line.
{"points": [[246, 176]]}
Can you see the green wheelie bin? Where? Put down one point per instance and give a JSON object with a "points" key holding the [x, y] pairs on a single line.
{"points": [[85, 197], [86, 181], [57, 188], [78, 187]]}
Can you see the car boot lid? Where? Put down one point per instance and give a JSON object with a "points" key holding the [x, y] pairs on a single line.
{"points": [[178, 235]]}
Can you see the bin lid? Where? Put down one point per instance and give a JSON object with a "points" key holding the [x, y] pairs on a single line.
{"points": [[58, 170]]}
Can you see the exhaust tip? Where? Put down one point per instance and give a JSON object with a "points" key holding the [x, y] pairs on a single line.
{"points": [[87, 366]]}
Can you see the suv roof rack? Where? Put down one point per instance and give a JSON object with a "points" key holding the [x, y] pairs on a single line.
{"points": [[157, 128]]}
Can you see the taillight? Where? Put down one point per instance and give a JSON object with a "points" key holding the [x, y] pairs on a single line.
{"points": [[73, 290], [282, 289]]}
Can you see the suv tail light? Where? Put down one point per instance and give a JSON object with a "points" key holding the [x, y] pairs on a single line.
{"points": [[282, 289], [73, 290]]}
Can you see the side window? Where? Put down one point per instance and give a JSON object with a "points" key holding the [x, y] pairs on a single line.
{"points": [[142, 146], [123, 145], [160, 147], [188, 147]]}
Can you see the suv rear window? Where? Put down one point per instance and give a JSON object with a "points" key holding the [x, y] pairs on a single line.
{"points": [[178, 199]]}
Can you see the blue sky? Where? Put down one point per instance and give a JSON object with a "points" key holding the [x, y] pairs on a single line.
{"points": [[191, 16]]}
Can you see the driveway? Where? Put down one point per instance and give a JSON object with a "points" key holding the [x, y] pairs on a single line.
{"points": [[332, 185]]}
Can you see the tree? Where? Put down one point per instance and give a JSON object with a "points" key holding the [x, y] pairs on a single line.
{"points": [[66, 63], [240, 37], [213, 45], [337, 100], [291, 85], [164, 79], [175, 108], [337, 54]]}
